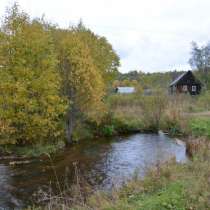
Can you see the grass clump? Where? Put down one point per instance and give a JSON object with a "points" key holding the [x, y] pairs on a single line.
{"points": [[171, 197]]}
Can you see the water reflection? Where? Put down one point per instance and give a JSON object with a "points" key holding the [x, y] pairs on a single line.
{"points": [[7, 201], [102, 163]]}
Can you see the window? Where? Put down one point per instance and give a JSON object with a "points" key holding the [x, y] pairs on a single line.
{"points": [[193, 88], [184, 88]]}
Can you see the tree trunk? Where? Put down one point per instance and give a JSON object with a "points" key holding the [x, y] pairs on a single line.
{"points": [[70, 122], [70, 92]]}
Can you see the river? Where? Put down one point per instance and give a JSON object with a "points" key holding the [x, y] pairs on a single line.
{"points": [[101, 162]]}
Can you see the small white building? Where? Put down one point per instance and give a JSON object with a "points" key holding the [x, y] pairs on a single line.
{"points": [[125, 90]]}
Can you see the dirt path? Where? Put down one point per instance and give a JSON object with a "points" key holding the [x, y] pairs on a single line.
{"points": [[199, 114]]}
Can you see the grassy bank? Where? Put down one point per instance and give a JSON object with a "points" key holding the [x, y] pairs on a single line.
{"points": [[180, 115], [29, 151]]}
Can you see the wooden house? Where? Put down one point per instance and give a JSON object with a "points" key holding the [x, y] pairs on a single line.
{"points": [[186, 83]]}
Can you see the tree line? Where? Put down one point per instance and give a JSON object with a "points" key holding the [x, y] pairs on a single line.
{"points": [[200, 61], [50, 78]]}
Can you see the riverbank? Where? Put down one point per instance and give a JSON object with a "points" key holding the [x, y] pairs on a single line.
{"points": [[111, 126], [129, 114], [13, 152], [167, 187], [122, 121]]}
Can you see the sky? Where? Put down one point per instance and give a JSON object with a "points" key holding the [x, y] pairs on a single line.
{"points": [[148, 35]]}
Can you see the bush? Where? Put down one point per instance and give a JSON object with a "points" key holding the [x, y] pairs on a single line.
{"points": [[108, 130], [172, 125]]}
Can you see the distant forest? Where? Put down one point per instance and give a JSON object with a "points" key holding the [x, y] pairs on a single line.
{"points": [[158, 79], [150, 80]]}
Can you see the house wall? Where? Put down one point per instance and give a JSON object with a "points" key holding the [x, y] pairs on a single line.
{"points": [[197, 91], [180, 89]]}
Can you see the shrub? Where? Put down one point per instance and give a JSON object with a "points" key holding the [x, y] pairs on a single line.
{"points": [[108, 130], [172, 124]]}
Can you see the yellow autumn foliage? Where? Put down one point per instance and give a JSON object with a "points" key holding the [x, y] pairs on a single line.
{"points": [[31, 107]]}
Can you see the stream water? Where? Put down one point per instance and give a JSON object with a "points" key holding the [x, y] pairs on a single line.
{"points": [[102, 163]]}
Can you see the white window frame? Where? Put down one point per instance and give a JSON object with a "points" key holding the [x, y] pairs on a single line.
{"points": [[194, 88]]}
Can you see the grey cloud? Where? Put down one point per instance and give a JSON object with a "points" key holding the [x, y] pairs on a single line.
{"points": [[150, 35]]}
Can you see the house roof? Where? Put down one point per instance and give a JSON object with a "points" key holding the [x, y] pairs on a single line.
{"points": [[181, 77], [178, 78], [125, 89]]}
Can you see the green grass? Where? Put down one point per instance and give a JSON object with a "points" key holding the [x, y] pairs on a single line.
{"points": [[171, 197], [200, 127]]}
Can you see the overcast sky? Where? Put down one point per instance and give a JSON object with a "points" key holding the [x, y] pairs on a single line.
{"points": [[148, 35]]}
